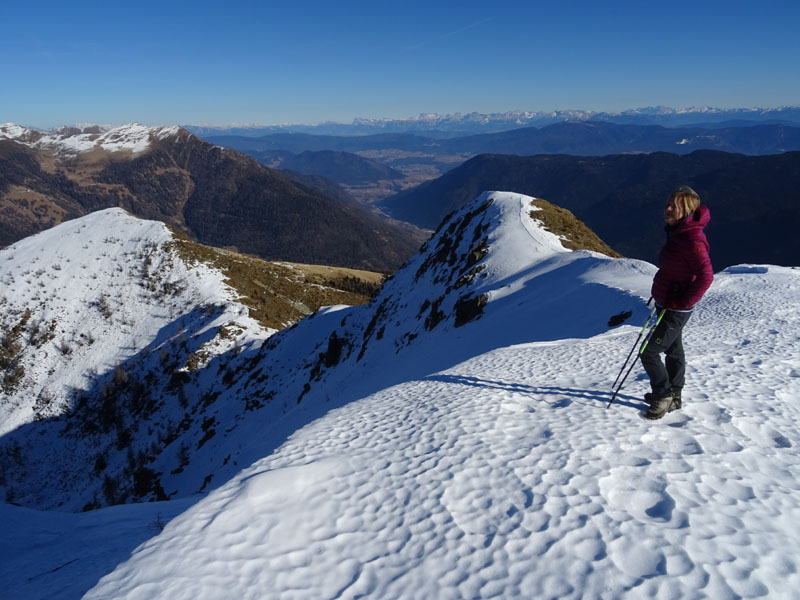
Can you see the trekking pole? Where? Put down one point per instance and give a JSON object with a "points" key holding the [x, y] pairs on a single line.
{"points": [[644, 345], [646, 323]]}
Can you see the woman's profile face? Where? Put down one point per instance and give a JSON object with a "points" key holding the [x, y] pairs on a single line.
{"points": [[673, 212]]}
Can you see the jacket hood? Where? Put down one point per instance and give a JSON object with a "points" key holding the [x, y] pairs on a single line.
{"points": [[697, 220]]}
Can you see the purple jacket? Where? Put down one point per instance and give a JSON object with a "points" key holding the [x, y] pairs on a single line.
{"points": [[684, 268]]}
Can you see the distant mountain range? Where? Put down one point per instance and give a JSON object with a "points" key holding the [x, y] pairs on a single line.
{"points": [[571, 137], [754, 200], [422, 158], [460, 124], [215, 195]]}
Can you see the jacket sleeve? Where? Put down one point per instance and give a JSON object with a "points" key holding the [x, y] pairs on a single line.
{"points": [[699, 264]]}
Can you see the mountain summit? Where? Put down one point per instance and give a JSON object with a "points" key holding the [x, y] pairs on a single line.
{"points": [[449, 439]]}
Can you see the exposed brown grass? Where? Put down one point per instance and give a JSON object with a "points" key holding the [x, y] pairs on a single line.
{"points": [[333, 272], [573, 233], [280, 294]]}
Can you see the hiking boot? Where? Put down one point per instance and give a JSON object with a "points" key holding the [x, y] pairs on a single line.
{"points": [[660, 405], [676, 400]]}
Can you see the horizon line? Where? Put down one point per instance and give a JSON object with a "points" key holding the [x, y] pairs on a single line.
{"points": [[421, 117]]}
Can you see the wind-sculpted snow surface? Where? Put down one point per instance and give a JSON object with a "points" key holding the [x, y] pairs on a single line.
{"points": [[474, 457]]}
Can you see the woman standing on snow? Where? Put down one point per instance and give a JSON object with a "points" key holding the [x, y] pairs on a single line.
{"points": [[684, 274]]}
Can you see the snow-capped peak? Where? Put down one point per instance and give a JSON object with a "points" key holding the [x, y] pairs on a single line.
{"points": [[134, 137], [12, 131]]}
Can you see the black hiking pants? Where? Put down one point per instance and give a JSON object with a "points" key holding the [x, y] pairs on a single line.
{"points": [[667, 340]]}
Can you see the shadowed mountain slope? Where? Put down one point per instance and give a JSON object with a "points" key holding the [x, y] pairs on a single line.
{"points": [[755, 212], [341, 167]]}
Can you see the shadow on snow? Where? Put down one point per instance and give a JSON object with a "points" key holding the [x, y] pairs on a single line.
{"points": [[565, 396]]}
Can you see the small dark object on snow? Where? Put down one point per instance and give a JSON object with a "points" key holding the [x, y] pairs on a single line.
{"points": [[619, 319]]}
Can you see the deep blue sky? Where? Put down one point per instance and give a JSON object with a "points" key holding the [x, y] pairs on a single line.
{"points": [[267, 62]]}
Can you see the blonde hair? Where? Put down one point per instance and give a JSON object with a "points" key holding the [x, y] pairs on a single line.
{"points": [[685, 198]]}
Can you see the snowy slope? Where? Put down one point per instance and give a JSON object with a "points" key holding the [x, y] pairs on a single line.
{"points": [[451, 440], [106, 312], [134, 137], [97, 290]]}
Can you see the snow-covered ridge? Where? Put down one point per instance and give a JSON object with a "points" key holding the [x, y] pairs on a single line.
{"points": [[134, 137], [92, 292]]}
